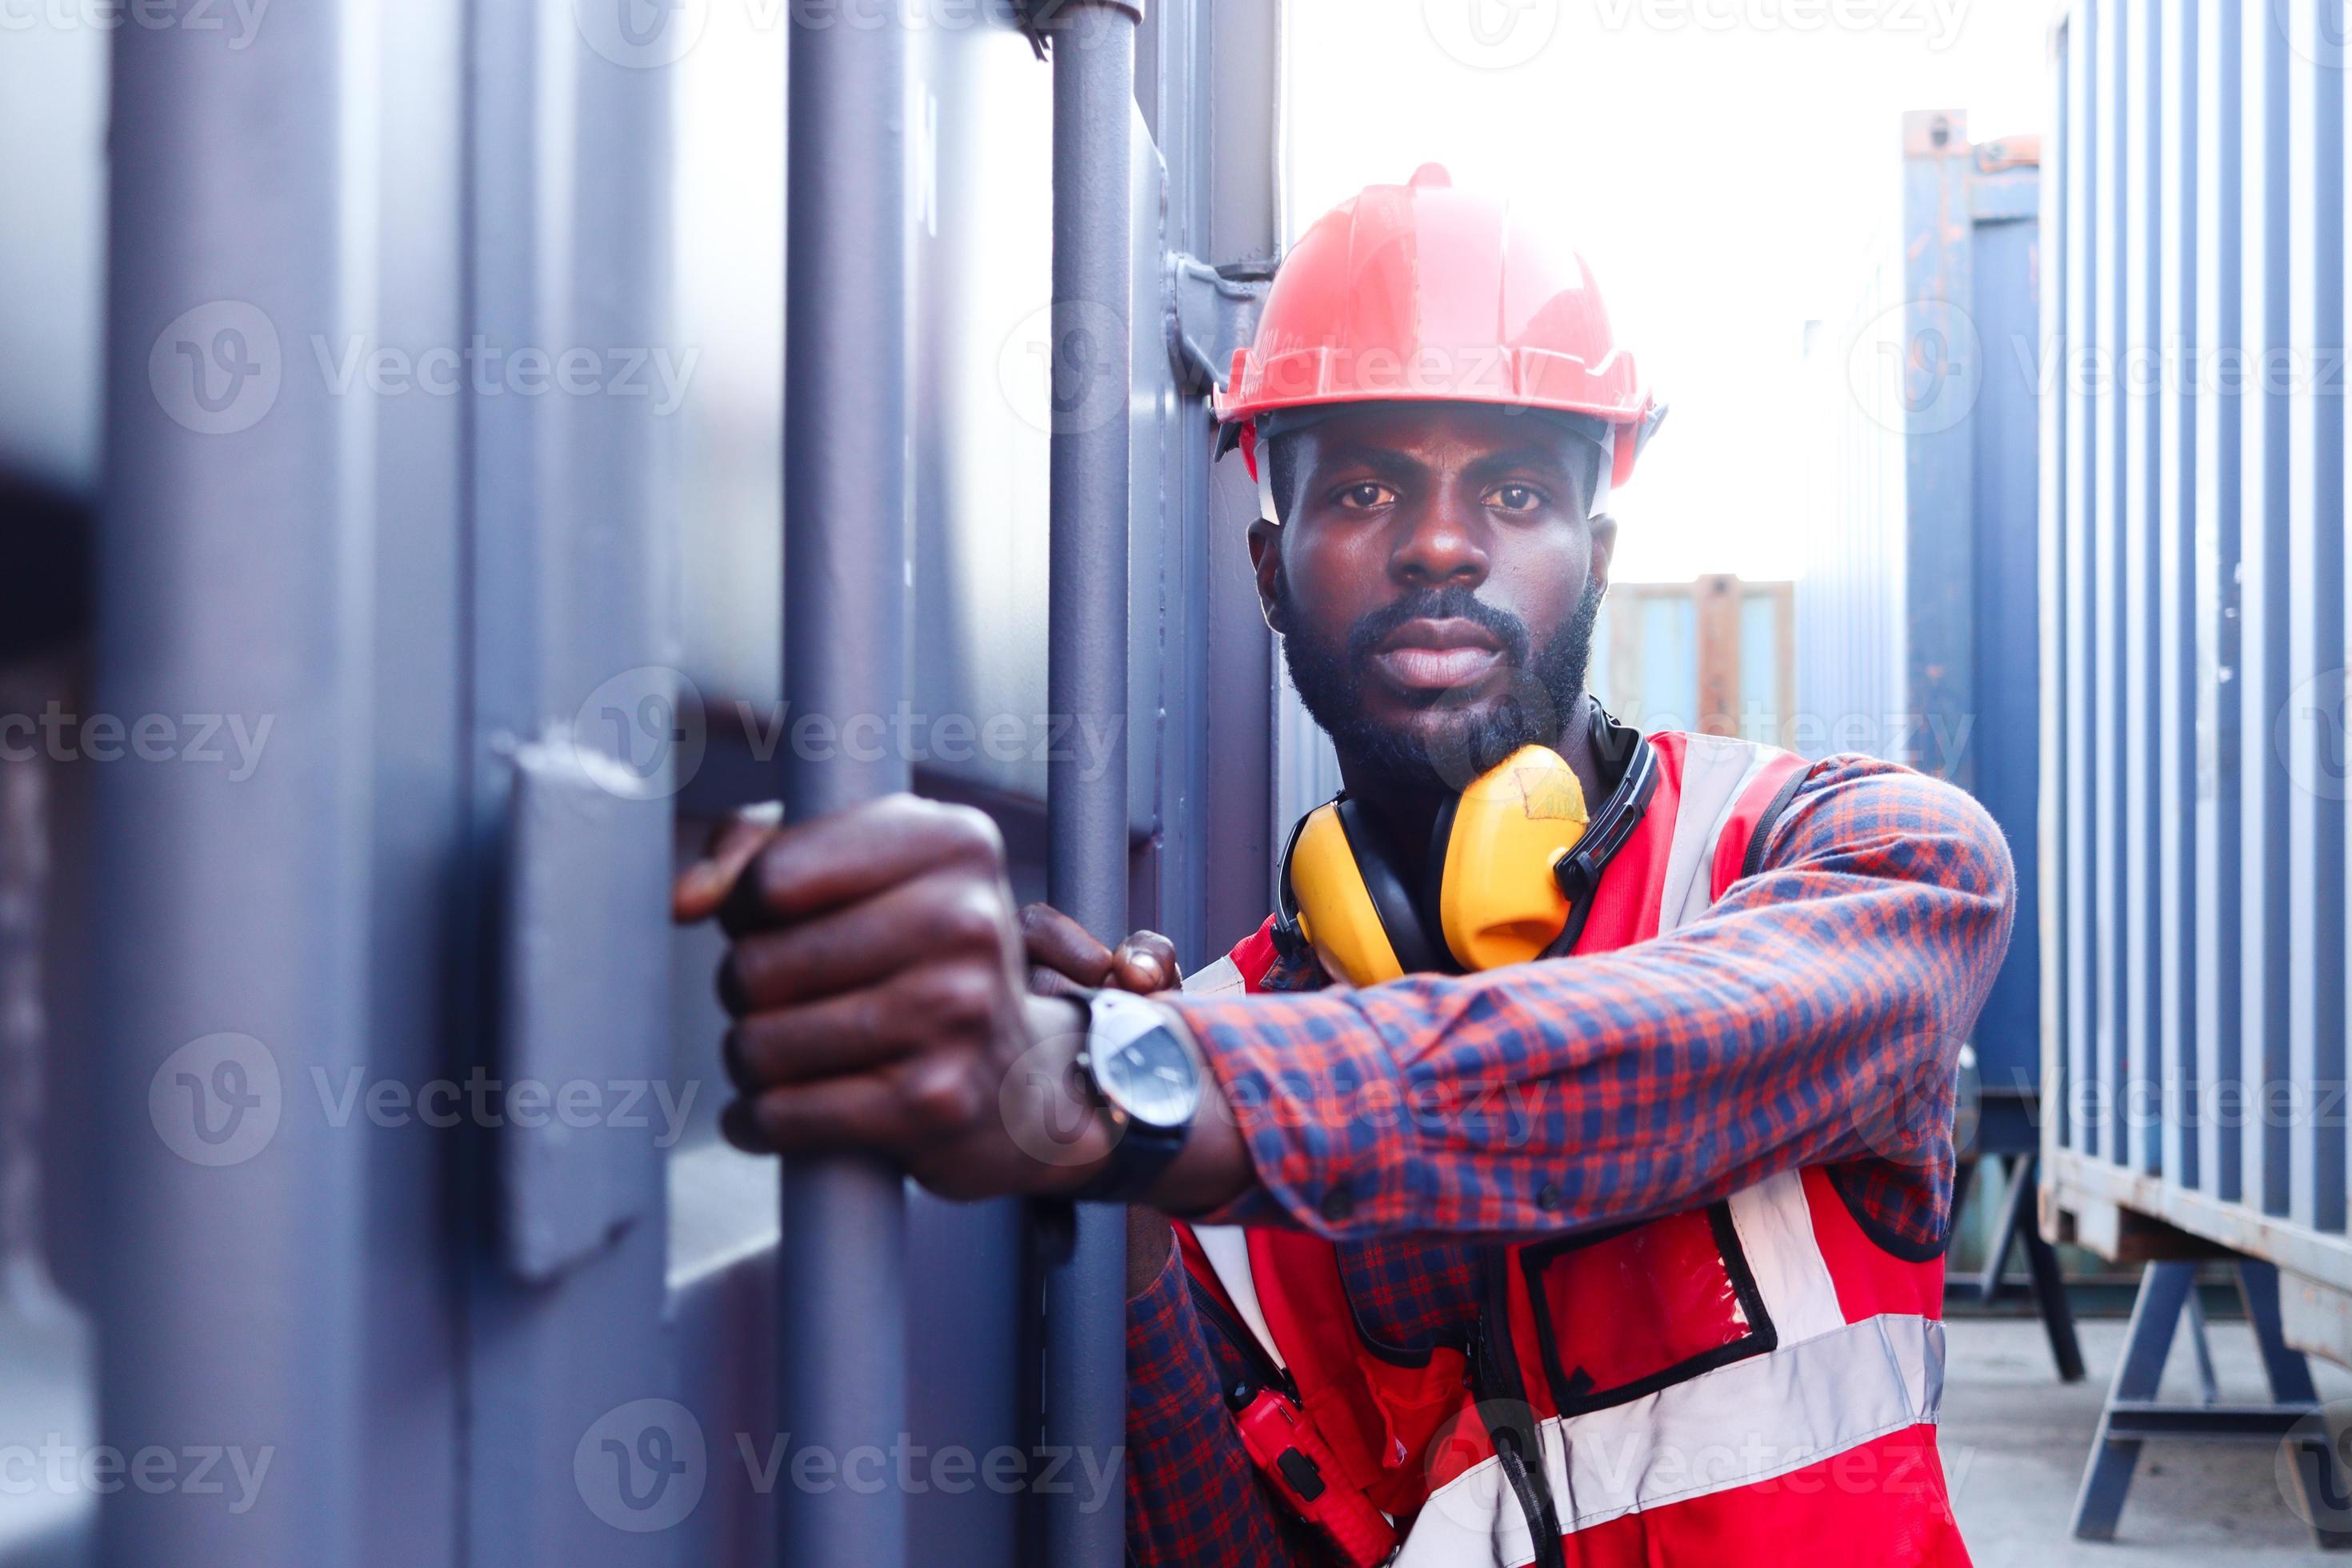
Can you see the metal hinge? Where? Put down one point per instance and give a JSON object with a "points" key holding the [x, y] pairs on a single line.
{"points": [[1212, 313], [1039, 20]]}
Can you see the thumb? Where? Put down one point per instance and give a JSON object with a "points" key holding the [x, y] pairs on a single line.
{"points": [[703, 886]]}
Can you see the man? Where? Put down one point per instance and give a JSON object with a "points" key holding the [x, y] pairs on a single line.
{"points": [[1624, 1247]]}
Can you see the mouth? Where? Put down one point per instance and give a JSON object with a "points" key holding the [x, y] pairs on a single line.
{"points": [[1434, 655]]}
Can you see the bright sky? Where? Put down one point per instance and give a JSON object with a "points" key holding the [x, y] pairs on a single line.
{"points": [[1726, 175]]}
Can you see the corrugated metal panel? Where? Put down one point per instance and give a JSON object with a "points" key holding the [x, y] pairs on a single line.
{"points": [[410, 599], [2194, 581], [1915, 629]]}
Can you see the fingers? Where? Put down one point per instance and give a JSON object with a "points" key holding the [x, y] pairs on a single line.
{"points": [[1063, 954], [733, 842], [1145, 962], [814, 867], [843, 1113], [894, 1110], [934, 917], [858, 1031]]}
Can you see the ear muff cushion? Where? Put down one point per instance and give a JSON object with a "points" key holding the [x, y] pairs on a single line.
{"points": [[1391, 895], [1336, 914], [1497, 901]]}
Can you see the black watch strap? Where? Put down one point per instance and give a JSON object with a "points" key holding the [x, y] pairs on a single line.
{"points": [[1141, 1157]]}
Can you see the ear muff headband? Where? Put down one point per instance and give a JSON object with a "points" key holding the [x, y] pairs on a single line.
{"points": [[1578, 873], [1410, 946]]}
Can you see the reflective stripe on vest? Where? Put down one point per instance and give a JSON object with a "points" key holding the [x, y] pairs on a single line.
{"points": [[1828, 1354]]}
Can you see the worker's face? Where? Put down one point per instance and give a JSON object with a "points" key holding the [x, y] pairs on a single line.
{"points": [[1436, 582]]}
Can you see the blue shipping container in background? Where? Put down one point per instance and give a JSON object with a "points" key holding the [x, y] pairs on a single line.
{"points": [[2194, 644], [1914, 615]]}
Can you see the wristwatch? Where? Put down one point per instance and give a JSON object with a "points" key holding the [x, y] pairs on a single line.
{"points": [[1144, 1078]]}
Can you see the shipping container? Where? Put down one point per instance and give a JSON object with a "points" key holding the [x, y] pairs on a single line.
{"points": [[1914, 615], [1915, 624], [525, 421], [2193, 650], [2193, 572]]}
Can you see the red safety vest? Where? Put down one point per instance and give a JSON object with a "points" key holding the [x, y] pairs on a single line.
{"points": [[1753, 1381]]}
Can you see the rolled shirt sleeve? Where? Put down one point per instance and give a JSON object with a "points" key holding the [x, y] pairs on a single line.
{"points": [[1814, 1016]]}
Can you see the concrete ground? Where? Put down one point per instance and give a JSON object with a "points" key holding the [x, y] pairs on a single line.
{"points": [[2015, 1440]]}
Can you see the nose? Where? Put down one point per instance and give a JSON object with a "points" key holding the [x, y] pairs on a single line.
{"points": [[1440, 543]]}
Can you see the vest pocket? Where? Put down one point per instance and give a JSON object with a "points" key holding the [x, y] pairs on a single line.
{"points": [[1624, 1312]]}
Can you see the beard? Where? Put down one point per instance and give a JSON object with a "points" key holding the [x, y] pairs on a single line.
{"points": [[1456, 743]]}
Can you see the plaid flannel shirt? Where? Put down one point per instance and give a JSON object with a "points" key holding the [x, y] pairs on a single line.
{"points": [[1812, 1017]]}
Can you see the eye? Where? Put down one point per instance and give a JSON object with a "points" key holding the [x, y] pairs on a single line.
{"points": [[1365, 496], [1516, 498]]}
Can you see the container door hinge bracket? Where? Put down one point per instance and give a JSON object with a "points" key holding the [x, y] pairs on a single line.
{"points": [[1212, 313]]}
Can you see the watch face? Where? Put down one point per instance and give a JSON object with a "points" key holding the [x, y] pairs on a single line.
{"points": [[1152, 1079]]}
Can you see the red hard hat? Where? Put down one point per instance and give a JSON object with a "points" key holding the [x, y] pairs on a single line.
{"points": [[1423, 293]]}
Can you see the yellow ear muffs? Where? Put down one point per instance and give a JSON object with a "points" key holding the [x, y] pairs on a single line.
{"points": [[1343, 897], [1496, 875], [1494, 853]]}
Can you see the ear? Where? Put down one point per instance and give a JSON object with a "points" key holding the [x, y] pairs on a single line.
{"points": [[1266, 560], [1604, 546]]}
